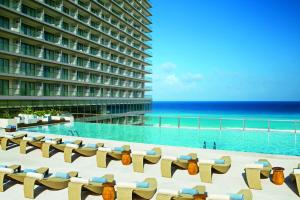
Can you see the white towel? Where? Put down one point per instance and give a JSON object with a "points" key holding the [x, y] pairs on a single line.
{"points": [[51, 141], [218, 197], [142, 153], [35, 175], [28, 138], [255, 166], [207, 162], [107, 149], [74, 146], [6, 170], [126, 185], [79, 180], [173, 158], [296, 171], [168, 192], [9, 136]]}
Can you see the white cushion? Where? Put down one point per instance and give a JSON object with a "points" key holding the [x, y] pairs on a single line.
{"points": [[255, 166], [35, 175], [107, 149], [28, 138], [51, 141], [207, 162], [9, 136], [168, 192], [218, 197], [6, 170], [126, 185], [79, 180], [296, 171], [169, 158], [142, 153], [75, 146]]}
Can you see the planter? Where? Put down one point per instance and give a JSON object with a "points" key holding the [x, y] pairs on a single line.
{"points": [[6, 122], [126, 158]]}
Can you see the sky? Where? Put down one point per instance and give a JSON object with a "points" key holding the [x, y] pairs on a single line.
{"points": [[226, 50]]}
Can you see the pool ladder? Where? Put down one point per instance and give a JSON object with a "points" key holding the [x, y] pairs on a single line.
{"points": [[73, 133], [214, 146]]}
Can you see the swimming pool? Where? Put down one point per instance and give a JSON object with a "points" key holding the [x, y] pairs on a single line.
{"points": [[248, 141]]}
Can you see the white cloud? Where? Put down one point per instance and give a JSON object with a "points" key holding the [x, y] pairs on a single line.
{"points": [[193, 77], [168, 67]]}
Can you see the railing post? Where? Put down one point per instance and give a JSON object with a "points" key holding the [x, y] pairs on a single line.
{"points": [[159, 121], [220, 123], [268, 125], [178, 121], [199, 122]]}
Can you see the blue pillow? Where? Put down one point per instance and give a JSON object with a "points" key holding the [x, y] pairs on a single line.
{"points": [[98, 179], [189, 191], [62, 175], [219, 161], [29, 170], [185, 157], [264, 163], [67, 142], [3, 166], [151, 152], [143, 185], [236, 197], [94, 146], [118, 149]]}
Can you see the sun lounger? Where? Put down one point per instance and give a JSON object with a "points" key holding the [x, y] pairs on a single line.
{"points": [[139, 157], [295, 177], [85, 150], [254, 172], [48, 145], [103, 153], [244, 194], [129, 191], [11, 138], [167, 163], [184, 194], [207, 167], [58, 181], [31, 141], [14, 173], [92, 185]]}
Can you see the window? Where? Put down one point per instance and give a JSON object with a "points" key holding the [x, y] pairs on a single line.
{"points": [[4, 65], [4, 2], [4, 22], [94, 64], [65, 74], [65, 58], [28, 30], [28, 89], [94, 51], [80, 76], [81, 47], [28, 68], [49, 54], [66, 26], [50, 72], [28, 49], [64, 90], [82, 32], [66, 10], [50, 3], [49, 19], [93, 78], [50, 89], [94, 24], [82, 18], [65, 42], [50, 37], [94, 37], [81, 62], [92, 91], [4, 87], [28, 11], [80, 91]]}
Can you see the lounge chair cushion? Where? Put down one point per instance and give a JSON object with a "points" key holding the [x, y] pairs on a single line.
{"points": [[7, 170], [68, 142], [255, 166], [74, 146], [126, 185], [94, 146], [236, 197], [296, 171], [61, 175], [50, 141], [168, 192], [207, 162], [189, 191], [185, 157], [107, 149], [98, 179], [79, 180], [218, 197], [29, 170], [169, 158], [118, 149], [219, 161], [264, 163], [29, 138], [143, 184], [3, 166], [142, 153], [10, 136], [151, 152], [35, 175]]}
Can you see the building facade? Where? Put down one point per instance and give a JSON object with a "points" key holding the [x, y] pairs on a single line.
{"points": [[86, 57]]}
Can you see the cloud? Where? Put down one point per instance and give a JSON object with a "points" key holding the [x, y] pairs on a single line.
{"points": [[189, 77], [168, 67]]}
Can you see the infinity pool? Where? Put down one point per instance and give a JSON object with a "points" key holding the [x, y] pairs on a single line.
{"points": [[248, 141]]}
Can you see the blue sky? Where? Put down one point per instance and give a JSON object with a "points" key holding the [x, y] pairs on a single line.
{"points": [[226, 50]]}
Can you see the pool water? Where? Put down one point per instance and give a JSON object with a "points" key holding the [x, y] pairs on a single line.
{"points": [[285, 143]]}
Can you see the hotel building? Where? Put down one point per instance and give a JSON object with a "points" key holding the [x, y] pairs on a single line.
{"points": [[86, 57]]}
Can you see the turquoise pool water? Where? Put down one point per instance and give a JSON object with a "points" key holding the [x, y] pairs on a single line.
{"points": [[284, 143]]}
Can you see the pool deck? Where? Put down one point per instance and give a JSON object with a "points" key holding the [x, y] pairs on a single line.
{"points": [[230, 182]]}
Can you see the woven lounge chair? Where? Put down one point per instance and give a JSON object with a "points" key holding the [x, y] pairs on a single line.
{"points": [[255, 172], [295, 177], [247, 195], [140, 158], [31, 141], [167, 163], [103, 153], [11, 139], [75, 188], [207, 168], [85, 151], [17, 175], [52, 183], [128, 193], [57, 145], [176, 195]]}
